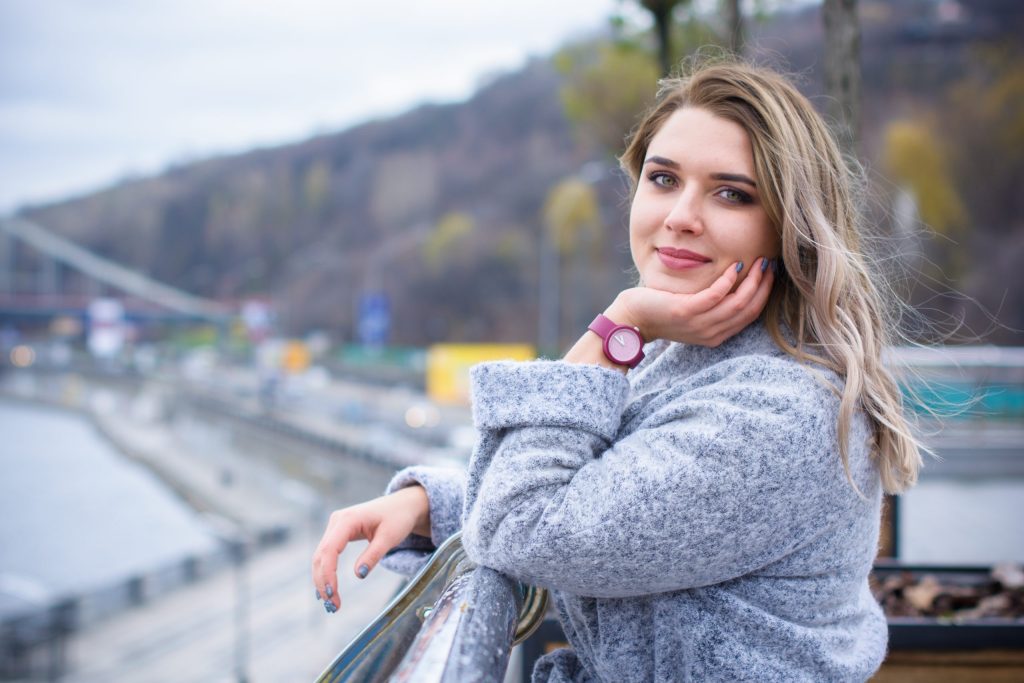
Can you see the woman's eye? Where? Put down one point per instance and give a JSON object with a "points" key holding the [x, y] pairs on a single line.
{"points": [[663, 179], [731, 194]]}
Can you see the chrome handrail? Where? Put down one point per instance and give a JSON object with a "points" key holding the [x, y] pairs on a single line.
{"points": [[454, 621]]}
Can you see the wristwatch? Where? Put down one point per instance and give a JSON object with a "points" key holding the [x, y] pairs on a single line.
{"points": [[623, 344]]}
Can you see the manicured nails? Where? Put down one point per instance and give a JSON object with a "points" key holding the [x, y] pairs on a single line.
{"points": [[363, 571], [328, 605], [764, 264], [739, 266]]}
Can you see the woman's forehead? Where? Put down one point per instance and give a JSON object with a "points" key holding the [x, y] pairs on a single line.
{"points": [[698, 136]]}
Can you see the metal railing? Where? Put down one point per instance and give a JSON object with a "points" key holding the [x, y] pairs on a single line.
{"points": [[454, 622]]}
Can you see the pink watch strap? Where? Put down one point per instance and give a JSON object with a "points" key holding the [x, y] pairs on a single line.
{"points": [[604, 327]]}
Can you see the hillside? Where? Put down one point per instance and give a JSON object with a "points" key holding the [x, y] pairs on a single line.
{"points": [[314, 223], [440, 207]]}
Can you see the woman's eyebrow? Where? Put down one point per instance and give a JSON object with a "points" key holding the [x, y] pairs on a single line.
{"points": [[661, 161], [731, 177], [734, 177]]}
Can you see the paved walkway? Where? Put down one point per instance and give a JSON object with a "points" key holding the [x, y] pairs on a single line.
{"points": [[193, 635]]}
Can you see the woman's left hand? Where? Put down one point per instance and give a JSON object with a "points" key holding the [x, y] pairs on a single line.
{"points": [[705, 318]]}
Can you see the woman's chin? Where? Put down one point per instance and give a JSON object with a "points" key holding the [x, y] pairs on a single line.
{"points": [[674, 284]]}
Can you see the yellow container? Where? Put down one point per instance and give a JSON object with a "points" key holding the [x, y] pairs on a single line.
{"points": [[295, 357], [448, 367]]}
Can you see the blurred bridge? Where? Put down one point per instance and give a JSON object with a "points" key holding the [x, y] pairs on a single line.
{"points": [[40, 295]]}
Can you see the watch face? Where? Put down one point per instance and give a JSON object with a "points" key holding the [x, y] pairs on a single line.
{"points": [[624, 344]]}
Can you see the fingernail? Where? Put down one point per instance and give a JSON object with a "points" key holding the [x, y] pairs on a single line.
{"points": [[329, 607], [318, 596], [329, 591], [739, 266], [363, 571], [764, 264]]}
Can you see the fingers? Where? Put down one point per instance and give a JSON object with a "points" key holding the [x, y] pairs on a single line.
{"points": [[749, 299], [382, 542], [340, 531], [325, 573], [764, 287], [740, 308], [719, 289], [751, 285]]}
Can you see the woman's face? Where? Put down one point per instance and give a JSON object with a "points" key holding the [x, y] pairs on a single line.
{"points": [[697, 210]]}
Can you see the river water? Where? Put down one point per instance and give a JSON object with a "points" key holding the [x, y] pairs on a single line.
{"points": [[75, 515]]}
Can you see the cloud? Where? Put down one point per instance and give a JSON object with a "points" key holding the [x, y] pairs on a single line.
{"points": [[92, 90]]}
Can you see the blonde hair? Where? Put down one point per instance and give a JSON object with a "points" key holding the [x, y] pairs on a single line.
{"points": [[825, 292]]}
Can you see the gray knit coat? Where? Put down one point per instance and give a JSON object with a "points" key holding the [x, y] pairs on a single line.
{"points": [[692, 519]]}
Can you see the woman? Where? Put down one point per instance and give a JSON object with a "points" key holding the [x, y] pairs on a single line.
{"points": [[711, 513]]}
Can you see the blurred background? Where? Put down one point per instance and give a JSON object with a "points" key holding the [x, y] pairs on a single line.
{"points": [[248, 252]]}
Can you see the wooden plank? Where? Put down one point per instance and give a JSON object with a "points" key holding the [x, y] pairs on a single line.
{"points": [[969, 666]]}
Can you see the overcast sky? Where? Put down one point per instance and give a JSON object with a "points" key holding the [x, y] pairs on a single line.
{"points": [[94, 90]]}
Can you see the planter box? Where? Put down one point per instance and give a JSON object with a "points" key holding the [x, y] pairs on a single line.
{"points": [[924, 650], [939, 650]]}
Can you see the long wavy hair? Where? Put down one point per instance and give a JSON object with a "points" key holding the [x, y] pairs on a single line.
{"points": [[825, 292]]}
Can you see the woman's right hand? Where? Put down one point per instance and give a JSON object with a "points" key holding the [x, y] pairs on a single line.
{"points": [[384, 521], [707, 317]]}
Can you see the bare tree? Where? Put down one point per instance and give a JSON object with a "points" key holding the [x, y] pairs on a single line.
{"points": [[842, 70], [733, 15], [661, 11]]}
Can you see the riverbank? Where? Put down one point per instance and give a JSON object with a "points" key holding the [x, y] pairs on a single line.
{"points": [[246, 605]]}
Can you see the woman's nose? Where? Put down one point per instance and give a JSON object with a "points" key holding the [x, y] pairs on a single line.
{"points": [[684, 215]]}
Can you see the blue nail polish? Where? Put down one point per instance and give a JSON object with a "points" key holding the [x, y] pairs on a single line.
{"points": [[329, 591], [739, 266], [329, 607], [318, 596], [363, 571], [764, 264]]}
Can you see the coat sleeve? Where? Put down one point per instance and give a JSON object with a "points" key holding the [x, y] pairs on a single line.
{"points": [[726, 478], [445, 489]]}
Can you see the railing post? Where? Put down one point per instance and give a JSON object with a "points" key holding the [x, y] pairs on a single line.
{"points": [[454, 622], [468, 634]]}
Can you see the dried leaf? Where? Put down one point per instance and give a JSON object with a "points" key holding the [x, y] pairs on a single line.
{"points": [[1009, 574], [990, 606], [923, 595], [955, 598]]}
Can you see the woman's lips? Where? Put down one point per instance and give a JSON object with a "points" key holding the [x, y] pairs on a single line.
{"points": [[680, 259]]}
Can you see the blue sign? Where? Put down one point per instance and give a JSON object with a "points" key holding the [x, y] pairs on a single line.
{"points": [[374, 318]]}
